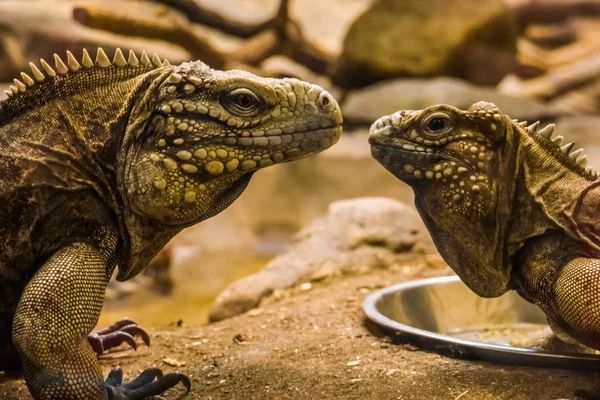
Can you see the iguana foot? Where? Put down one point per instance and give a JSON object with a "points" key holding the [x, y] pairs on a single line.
{"points": [[122, 331], [144, 386]]}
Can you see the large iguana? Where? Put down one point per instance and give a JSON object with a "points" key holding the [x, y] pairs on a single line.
{"points": [[508, 206], [101, 163]]}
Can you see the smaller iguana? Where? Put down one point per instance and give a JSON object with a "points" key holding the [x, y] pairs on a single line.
{"points": [[509, 207], [101, 164]]}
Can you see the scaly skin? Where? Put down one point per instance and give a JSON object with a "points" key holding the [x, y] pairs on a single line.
{"points": [[101, 163], [508, 207]]}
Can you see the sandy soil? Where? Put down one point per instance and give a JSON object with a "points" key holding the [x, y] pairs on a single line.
{"points": [[314, 344]]}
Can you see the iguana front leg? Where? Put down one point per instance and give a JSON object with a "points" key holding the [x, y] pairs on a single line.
{"points": [[567, 289], [576, 300], [58, 309]]}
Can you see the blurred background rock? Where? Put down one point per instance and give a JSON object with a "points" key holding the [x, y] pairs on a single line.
{"points": [[536, 59]]}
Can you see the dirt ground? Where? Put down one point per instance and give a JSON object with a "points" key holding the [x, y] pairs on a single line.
{"points": [[312, 343]]}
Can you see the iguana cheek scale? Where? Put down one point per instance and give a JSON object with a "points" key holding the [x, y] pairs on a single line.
{"points": [[101, 163], [509, 207]]}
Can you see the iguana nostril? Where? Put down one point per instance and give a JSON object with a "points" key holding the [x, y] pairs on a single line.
{"points": [[325, 101]]}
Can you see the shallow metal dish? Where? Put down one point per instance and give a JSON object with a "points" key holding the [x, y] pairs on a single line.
{"points": [[431, 313]]}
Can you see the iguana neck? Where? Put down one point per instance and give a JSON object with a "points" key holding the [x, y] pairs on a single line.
{"points": [[549, 182]]}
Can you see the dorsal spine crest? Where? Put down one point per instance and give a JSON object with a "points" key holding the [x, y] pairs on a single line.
{"points": [[576, 156], [73, 66]]}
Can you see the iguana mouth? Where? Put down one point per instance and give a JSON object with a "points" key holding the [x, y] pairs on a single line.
{"points": [[304, 140]]}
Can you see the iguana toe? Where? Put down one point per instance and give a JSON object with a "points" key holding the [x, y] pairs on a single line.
{"points": [[144, 386], [122, 331]]}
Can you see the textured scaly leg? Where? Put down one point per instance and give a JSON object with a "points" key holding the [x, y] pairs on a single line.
{"points": [[576, 299], [58, 309]]}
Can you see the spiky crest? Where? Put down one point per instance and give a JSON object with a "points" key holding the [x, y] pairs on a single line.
{"points": [[72, 66], [576, 156], [39, 86]]}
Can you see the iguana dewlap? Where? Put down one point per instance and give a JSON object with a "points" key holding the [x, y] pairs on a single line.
{"points": [[101, 163], [508, 206]]}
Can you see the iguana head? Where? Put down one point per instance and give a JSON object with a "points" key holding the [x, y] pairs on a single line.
{"points": [[210, 130], [466, 169]]}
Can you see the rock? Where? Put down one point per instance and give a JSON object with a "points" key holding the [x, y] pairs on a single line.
{"points": [[366, 105], [355, 235], [325, 24], [422, 38]]}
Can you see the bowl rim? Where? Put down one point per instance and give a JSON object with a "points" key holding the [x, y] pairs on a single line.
{"points": [[464, 348]]}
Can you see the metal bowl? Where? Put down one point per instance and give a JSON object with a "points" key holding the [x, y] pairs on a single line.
{"points": [[443, 315]]}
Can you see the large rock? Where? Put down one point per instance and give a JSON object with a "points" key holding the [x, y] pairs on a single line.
{"points": [[366, 105], [325, 23], [354, 236], [422, 38]]}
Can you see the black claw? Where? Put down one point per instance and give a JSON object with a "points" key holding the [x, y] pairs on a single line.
{"points": [[144, 386], [146, 377], [115, 377], [161, 385]]}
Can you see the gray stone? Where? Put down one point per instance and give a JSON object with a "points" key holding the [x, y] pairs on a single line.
{"points": [[366, 105], [421, 38], [354, 236]]}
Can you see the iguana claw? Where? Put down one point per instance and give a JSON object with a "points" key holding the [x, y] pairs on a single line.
{"points": [[144, 386], [122, 331]]}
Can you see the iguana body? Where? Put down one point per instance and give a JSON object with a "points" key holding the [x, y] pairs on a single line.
{"points": [[101, 163], [508, 207]]}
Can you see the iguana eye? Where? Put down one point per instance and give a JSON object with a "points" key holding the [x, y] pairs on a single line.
{"points": [[438, 123], [242, 102]]}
